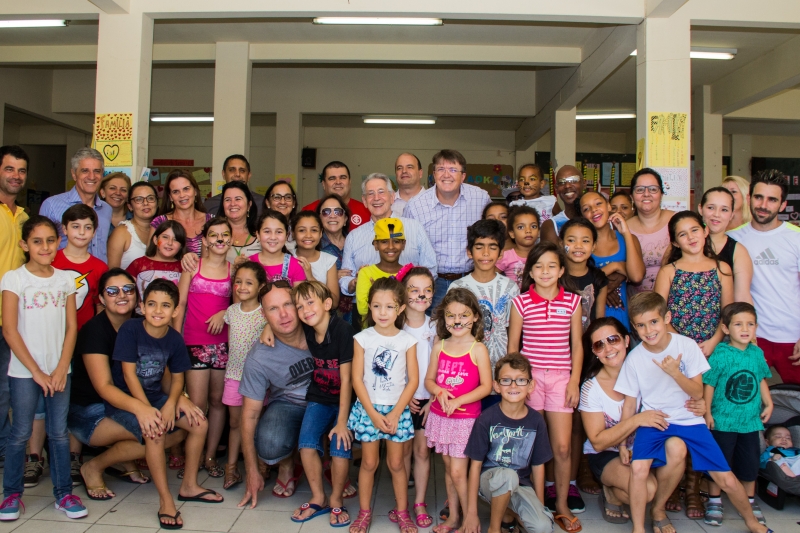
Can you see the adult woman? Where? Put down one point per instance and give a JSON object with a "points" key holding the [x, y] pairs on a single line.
{"points": [[335, 217], [182, 203], [717, 207], [127, 243], [281, 197], [238, 206], [650, 223], [616, 252], [114, 191], [740, 189]]}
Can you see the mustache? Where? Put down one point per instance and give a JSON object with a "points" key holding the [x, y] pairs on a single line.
{"points": [[455, 325], [420, 299]]}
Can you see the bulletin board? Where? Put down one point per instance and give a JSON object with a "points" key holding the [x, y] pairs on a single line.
{"points": [[491, 178]]}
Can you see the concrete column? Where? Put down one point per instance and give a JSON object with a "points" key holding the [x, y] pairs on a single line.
{"points": [[663, 85], [232, 72], [741, 153], [288, 143], [563, 138], [124, 69], [707, 141]]}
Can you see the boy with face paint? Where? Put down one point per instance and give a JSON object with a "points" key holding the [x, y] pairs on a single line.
{"points": [[390, 241]]}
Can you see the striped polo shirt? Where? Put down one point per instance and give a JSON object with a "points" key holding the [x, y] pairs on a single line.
{"points": [[545, 328]]}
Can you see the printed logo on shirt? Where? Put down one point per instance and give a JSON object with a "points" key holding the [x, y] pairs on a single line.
{"points": [[454, 381], [510, 447], [741, 387], [81, 287], [766, 258], [356, 219], [561, 311], [42, 299], [382, 363]]}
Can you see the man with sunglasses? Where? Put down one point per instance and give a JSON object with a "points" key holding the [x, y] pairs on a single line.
{"points": [[335, 179], [235, 168], [569, 186]]}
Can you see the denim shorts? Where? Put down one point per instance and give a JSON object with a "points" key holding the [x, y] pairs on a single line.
{"points": [[318, 421], [131, 423], [83, 419]]}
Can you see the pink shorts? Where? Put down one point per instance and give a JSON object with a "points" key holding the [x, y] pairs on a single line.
{"points": [[550, 390], [231, 396]]}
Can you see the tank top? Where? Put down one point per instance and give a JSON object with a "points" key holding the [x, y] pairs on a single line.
{"points": [[726, 254], [695, 303], [207, 297], [137, 247], [653, 247], [620, 313], [459, 375]]}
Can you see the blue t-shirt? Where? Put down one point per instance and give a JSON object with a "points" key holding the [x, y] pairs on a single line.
{"points": [[151, 355]]}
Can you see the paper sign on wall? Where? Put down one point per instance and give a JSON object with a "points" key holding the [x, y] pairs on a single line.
{"points": [[289, 178], [667, 140], [113, 137], [639, 155]]}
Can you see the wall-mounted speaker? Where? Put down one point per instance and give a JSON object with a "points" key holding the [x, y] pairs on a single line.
{"points": [[309, 158]]}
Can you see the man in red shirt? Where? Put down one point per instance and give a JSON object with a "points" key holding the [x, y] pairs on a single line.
{"points": [[336, 180]]}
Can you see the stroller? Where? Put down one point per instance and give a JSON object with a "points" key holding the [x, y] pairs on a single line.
{"points": [[773, 484]]}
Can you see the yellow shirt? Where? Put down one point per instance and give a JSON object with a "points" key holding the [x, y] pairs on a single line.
{"points": [[11, 255], [366, 277]]}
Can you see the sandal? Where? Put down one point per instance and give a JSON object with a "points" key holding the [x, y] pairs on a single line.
{"points": [[560, 518], [423, 519], [213, 468], [175, 517], [444, 514], [362, 521], [692, 498], [586, 481], [232, 477], [176, 462], [661, 524], [404, 522], [127, 476], [141, 464], [607, 508], [713, 514], [336, 512], [298, 471]]}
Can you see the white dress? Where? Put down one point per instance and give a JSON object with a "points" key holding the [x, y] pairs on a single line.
{"points": [[136, 249]]}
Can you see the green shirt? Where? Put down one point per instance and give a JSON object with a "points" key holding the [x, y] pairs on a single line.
{"points": [[736, 376]]}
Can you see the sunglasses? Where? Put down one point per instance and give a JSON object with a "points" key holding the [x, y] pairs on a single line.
{"points": [[599, 346], [337, 211], [128, 290]]}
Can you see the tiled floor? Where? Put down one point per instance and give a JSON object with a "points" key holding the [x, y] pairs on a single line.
{"points": [[134, 509]]}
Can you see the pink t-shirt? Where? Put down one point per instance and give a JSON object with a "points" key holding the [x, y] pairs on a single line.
{"points": [[459, 375], [512, 266], [290, 270]]}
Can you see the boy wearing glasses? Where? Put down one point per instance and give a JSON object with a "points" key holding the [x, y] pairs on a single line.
{"points": [[508, 448], [530, 181]]}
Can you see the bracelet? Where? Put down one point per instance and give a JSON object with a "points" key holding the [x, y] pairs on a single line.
{"points": [[186, 394]]}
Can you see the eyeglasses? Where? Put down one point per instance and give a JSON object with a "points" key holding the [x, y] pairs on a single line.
{"points": [[521, 382], [449, 170], [652, 189], [282, 197], [599, 346], [127, 290], [335, 211], [571, 179], [139, 200]]}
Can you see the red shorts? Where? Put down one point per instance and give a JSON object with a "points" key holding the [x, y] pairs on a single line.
{"points": [[777, 356]]}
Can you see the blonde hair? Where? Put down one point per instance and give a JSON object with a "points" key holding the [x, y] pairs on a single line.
{"points": [[115, 175], [744, 189]]}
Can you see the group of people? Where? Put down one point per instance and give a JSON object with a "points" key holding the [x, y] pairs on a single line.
{"points": [[495, 333]]}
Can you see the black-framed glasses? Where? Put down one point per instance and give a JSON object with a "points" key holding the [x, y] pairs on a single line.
{"points": [[336, 211], [282, 197], [127, 290], [521, 382], [652, 189], [139, 200], [611, 340]]}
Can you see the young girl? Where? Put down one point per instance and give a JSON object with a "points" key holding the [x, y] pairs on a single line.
{"points": [[418, 283], [523, 230], [318, 265], [579, 238], [691, 282], [245, 322], [496, 210], [622, 203], [274, 257], [385, 376], [546, 317], [40, 326], [162, 258], [459, 376]]}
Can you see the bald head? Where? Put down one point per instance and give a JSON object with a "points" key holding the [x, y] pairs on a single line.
{"points": [[569, 183], [567, 171]]}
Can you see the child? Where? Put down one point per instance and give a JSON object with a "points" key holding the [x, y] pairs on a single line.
{"points": [[695, 284], [245, 322], [205, 295], [321, 266], [274, 257], [530, 181], [665, 371], [390, 241], [330, 342], [579, 237], [418, 283], [40, 327], [150, 351], [496, 210], [523, 230], [781, 451], [622, 203], [735, 388], [546, 317], [459, 377], [508, 448], [385, 376], [162, 258]]}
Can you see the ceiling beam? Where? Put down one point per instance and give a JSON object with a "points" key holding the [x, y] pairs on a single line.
{"points": [[662, 8], [783, 106], [113, 7]]}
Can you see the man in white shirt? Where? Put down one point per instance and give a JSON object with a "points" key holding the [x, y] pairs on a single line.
{"points": [[774, 247], [409, 175]]}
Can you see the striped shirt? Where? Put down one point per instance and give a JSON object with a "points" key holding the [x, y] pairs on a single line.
{"points": [[545, 328]]}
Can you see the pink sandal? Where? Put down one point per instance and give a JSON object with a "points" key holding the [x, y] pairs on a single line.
{"points": [[423, 519], [404, 522], [362, 520]]}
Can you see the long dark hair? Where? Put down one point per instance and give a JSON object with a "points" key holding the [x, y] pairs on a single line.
{"points": [[594, 365], [675, 251], [167, 206], [538, 251], [466, 298], [343, 205], [252, 213], [269, 192], [312, 215], [180, 236]]}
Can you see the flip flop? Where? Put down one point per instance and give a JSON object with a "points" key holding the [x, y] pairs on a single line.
{"points": [[126, 476], [298, 471], [661, 524], [101, 487], [559, 519], [605, 507], [328, 477], [318, 510], [199, 497], [336, 511], [176, 525]]}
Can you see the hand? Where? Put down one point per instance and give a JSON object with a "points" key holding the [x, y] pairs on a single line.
{"points": [[625, 454], [344, 273], [471, 524], [215, 323], [58, 379], [393, 420], [613, 298], [343, 436], [43, 380], [425, 412], [168, 416], [573, 394], [709, 420], [453, 406], [190, 262], [697, 407], [255, 484], [443, 397], [653, 419], [413, 406], [267, 336], [380, 423], [708, 346], [620, 224], [238, 261], [192, 413], [669, 365], [150, 422], [795, 354], [306, 267], [766, 413]]}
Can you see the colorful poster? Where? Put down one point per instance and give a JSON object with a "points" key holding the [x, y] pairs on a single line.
{"points": [[289, 178], [667, 139], [639, 155], [113, 137], [628, 170]]}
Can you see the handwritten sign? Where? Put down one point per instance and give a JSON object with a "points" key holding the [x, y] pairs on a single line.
{"points": [[667, 140], [113, 137]]}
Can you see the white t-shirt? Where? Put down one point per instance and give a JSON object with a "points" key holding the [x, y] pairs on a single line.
{"points": [[321, 266], [385, 374], [543, 205], [641, 378], [41, 316], [424, 335], [776, 279], [595, 400]]}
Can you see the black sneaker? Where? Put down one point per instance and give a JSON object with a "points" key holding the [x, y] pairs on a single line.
{"points": [[574, 500], [550, 498], [75, 469], [34, 466]]}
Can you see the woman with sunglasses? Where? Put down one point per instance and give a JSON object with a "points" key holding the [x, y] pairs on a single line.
{"points": [[601, 410], [128, 240], [93, 384], [335, 225]]}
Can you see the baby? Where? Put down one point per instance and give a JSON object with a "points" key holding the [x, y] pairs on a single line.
{"points": [[781, 451]]}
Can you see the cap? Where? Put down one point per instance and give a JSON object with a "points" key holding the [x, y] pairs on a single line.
{"points": [[389, 228], [508, 191]]}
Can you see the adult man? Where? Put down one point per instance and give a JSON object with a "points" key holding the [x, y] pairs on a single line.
{"points": [[236, 167], [445, 211], [336, 180], [13, 171], [569, 185], [284, 371], [87, 171], [358, 248], [775, 249], [409, 175]]}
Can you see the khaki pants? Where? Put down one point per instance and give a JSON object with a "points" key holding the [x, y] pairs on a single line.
{"points": [[499, 481]]}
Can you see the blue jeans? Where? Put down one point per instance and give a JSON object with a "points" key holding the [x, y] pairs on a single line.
{"points": [[278, 431], [439, 290], [25, 394], [317, 423], [5, 395]]}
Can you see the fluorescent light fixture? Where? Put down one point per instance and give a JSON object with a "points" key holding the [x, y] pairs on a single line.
{"points": [[180, 118], [32, 23], [399, 120], [605, 116], [698, 52], [381, 21]]}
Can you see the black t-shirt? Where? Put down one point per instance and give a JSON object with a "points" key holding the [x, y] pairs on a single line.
{"points": [[334, 350], [500, 441], [96, 336], [590, 284]]}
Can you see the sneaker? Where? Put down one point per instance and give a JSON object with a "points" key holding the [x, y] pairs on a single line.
{"points": [[713, 514], [34, 466], [574, 500], [550, 498], [72, 506], [9, 509], [75, 469]]}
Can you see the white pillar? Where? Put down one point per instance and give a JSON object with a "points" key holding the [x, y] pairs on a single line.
{"points": [[707, 142], [563, 138], [288, 142], [741, 153], [232, 72]]}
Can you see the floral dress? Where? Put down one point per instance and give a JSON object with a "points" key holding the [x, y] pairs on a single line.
{"points": [[695, 303]]}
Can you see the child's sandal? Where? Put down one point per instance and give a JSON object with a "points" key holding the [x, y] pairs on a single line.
{"points": [[404, 522], [213, 468], [232, 476], [423, 519], [362, 521]]}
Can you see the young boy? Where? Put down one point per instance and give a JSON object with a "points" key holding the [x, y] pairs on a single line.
{"points": [[735, 389], [330, 341], [665, 371], [390, 241], [781, 451], [530, 181], [508, 448], [150, 351]]}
